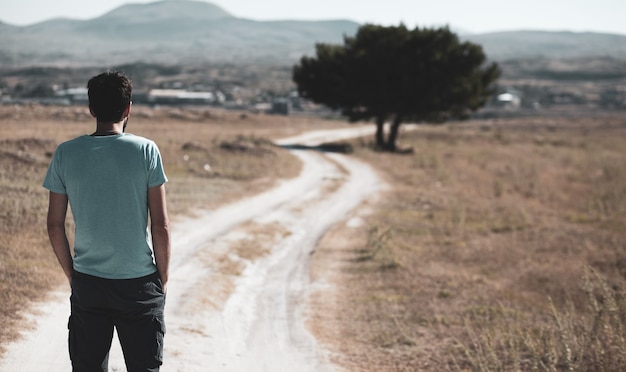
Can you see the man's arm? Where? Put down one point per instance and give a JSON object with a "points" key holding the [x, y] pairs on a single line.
{"points": [[160, 226], [57, 210]]}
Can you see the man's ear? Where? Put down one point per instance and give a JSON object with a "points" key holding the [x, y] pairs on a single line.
{"points": [[127, 110], [92, 113]]}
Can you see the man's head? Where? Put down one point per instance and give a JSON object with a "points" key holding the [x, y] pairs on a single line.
{"points": [[109, 96]]}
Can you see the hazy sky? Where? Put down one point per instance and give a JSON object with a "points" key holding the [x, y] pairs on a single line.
{"points": [[464, 15]]}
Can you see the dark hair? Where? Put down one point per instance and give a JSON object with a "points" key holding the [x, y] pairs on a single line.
{"points": [[109, 95]]}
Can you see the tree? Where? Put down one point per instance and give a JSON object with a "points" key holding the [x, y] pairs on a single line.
{"points": [[397, 74]]}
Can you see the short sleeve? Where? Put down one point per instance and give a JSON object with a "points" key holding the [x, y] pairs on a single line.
{"points": [[54, 176], [156, 173]]}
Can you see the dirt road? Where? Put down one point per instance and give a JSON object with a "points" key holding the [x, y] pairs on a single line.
{"points": [[237, 298]]}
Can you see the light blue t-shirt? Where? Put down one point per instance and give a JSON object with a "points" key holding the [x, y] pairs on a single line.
{"points": [[106, 179]]}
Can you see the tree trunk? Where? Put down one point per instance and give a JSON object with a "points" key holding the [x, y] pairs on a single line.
{"points": [[380, 130], [393, 134]]}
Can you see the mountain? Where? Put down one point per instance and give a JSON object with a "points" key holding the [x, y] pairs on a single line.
{"points": [[165, 11], [188, 32], [168, 31], [547, 44]]}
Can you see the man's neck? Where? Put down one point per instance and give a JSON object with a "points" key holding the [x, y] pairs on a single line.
{"points": [[109, 129]]}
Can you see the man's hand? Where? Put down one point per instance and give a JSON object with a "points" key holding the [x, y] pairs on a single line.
{"points": [[160, 227]]}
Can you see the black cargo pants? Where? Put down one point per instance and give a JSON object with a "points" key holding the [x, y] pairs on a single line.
{"points": [[133, 306]]}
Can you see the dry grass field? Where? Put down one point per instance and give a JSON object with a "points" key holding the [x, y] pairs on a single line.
{"points": [[499, 246]]}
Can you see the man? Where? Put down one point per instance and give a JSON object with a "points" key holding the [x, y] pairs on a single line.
{"points": [[119, 269]]}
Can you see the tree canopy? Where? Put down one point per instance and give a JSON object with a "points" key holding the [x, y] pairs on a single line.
{"points": [[398, 75]]}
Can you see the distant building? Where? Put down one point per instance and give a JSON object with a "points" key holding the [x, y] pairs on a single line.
{"points": [[281, 106], [73, 95], [509, 100], [179, 96]]}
